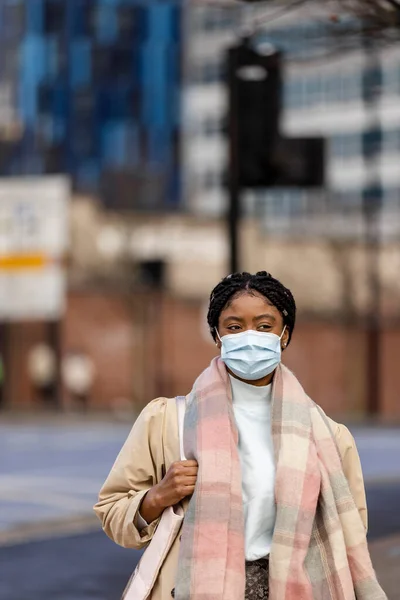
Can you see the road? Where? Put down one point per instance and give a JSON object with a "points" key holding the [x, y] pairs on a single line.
{"points": [[53, 472], [91, 567], [84, 567]]}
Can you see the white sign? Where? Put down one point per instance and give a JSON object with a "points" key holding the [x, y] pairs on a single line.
{"points": [[33, 242]]}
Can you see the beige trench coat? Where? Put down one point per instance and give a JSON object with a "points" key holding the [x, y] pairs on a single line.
{"points": [[150, 449]]}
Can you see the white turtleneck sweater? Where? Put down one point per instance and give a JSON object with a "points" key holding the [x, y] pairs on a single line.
{"points": [[252, 410]]}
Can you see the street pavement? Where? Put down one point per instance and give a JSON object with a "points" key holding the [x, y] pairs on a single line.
{"points": [[50, 543], [83, 567]]}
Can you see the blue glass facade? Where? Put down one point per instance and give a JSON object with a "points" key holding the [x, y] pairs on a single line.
{"points": [[97, 93]]}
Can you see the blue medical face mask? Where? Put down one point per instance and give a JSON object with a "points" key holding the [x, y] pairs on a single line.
{"points": [[251, 355]]}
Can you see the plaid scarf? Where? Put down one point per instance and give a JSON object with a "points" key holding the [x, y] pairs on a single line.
{"points": [[319, 548]]}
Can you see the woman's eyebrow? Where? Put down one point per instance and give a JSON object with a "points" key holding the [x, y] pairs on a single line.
{"points": [[265, 316], [233, 318]]}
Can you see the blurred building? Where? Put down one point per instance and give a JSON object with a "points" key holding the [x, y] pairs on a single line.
{"points": [[325, 75], [91, 88]]}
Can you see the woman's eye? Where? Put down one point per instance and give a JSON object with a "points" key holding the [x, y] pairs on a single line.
{"points": [[264, 327], [233, 327]]}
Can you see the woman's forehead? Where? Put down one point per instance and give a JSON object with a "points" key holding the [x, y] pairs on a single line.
{"points": [[250, 302]]}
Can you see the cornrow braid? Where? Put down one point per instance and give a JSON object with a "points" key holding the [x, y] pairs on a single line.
{"points": [[263, 283]]}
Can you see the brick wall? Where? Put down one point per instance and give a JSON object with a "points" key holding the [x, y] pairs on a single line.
{"points": [[144, 346]]}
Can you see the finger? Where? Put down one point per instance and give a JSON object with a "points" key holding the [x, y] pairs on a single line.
{"points": [[179, 472], [181, 481], [189, 481], [192, 472], [189, 463]]}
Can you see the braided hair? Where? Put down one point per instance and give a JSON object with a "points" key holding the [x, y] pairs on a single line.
{"points": [[240, 283]]}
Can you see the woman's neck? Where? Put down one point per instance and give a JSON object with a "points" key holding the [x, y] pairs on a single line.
{"points": [[258, 382]]}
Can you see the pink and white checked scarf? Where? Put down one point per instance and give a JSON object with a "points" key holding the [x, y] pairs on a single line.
{"points": [[319, 548]]}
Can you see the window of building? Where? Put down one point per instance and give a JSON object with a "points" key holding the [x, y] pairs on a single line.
{"points": [[54, 16], [391, 79], [321, 89], [218, 19], [211, 179], [347, 201], [391, 141], [346, 146], [372, 141], [212, 126], [207, 72], [14, 19]]}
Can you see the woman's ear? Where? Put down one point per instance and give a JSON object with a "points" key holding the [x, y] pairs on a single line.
{"points": [[285, 339], [217, 339]]}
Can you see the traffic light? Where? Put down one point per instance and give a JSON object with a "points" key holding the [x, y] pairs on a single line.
{"points": [[255, 88], [299, 162], [260, 155]]}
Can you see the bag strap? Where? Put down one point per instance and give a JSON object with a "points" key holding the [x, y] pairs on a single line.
{"points": [[181, 407]]}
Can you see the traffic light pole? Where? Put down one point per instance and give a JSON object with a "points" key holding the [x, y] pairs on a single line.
{"points": [[372, 203], [233, 212]]}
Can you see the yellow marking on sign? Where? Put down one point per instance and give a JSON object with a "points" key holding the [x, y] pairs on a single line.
{"points": [[15, 262]]}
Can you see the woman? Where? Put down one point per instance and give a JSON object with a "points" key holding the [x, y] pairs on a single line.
{"points": [[273, 491]]}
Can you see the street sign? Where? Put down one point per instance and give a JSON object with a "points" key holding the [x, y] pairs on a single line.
{"points": [[33, 243]]}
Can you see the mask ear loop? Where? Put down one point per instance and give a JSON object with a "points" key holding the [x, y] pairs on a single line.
{"points": [[218, 336], [284, 329]]}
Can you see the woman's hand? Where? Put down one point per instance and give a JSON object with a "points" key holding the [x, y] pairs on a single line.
{"points": [[178, 482]]}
